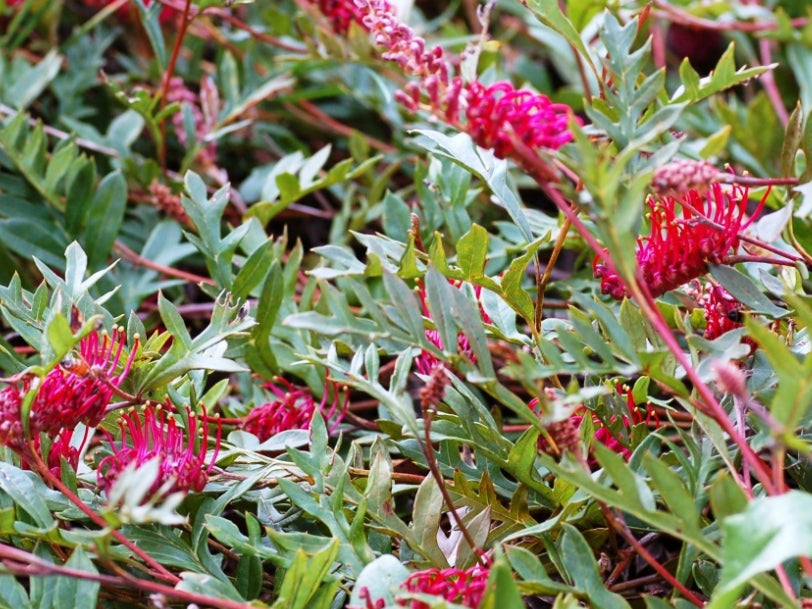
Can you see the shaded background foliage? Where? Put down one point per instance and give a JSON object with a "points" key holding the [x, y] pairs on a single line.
{"points": [[241, 188]]}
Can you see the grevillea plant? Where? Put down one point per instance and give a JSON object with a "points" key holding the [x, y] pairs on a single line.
{"points": [[315, 304]]}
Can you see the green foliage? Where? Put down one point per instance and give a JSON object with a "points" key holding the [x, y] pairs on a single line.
{"points": [[247, 218]]}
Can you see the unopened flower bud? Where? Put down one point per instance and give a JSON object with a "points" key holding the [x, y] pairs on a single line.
{"points": [[730, 378], [678, 177]]}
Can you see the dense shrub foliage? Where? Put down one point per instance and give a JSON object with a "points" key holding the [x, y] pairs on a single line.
{"points": [[369, 303]]}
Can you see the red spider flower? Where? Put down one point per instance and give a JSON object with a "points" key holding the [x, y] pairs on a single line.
{"points": [[81, 387], [687, 235], [77, 391], [461, 586], [500, 114], [496, 116], [294, 409], [155, 432]]}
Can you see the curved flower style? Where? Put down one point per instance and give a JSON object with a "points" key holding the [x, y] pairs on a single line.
{"points": [[293, 409], [461, 586], [156, 433], [77, 391], [687, 235], [61, 447]]}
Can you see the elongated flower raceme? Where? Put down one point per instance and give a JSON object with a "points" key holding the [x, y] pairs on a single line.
{"points": [[495, 116], [155, 433], [77, 391], [500, 114], [687, 235]]}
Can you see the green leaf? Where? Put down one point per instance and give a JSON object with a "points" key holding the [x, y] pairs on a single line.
{"points": [[792, 401], [513, 292], [396, 217], [770, 531], [60, 337], [792, 140], [152, 26], [204, 351], [304, 578], [381, 579], [439, 295], [74, 591], [579, 561], [268, 307], [203, 583], [104, 218], [166, 545], [501, 591], [427, 510], [726, 496], [254, 271], [743, 289], [12, 593], [472, 251], [407, 305], [549, 12], [34, 80], [462, 150], [673, 491], [248, 578], [723, 76], [27, 492]]}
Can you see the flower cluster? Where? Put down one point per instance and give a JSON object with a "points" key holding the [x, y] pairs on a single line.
{"points": [[461, 586], [155, 433], [687, 235], [499, 115], [495, 116], [294, 409], [76, 391]]}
